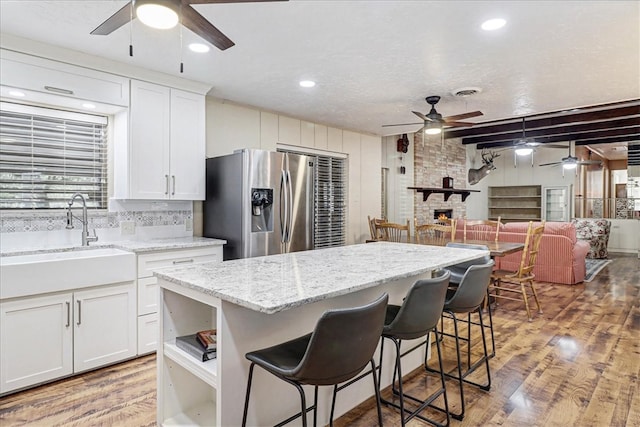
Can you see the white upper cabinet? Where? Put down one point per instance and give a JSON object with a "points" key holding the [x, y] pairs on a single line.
{"points": [[187, 145], [164, 154], [52, 77]]}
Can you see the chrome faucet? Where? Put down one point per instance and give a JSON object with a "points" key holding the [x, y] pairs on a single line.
{"points": [[86, 239]]}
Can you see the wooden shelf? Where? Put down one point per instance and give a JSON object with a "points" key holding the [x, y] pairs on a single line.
{"points": [[427, 191], [515, 203]]}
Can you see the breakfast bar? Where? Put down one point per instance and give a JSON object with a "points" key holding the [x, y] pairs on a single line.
{"points": [[257, 302]]}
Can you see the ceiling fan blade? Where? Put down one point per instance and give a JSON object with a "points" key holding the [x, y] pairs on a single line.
{"points": [[543, 145], [187, 2], [403, 124], [589, 162], [551, 164], [456, 124], [114, 22], [462, 116], [203, 28], [422, 116]]}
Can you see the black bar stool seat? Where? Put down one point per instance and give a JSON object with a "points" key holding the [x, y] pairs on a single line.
{"points": [[339, 348]]}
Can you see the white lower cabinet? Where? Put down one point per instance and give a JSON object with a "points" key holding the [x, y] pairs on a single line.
{"points": [[104, 326], [36, 340], [148, 287], [51, 336]]}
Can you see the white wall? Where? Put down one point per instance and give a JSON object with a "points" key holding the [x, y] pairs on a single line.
{"points": [[231, 126], [399, 198], [515, 172]]}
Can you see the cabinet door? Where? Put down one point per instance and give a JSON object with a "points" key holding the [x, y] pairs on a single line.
{"points": [[35, 340], [187, 146], [149, 141], [104, 325]]}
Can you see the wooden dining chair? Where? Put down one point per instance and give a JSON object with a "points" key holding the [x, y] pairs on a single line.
{"points": [[482, 229], [517, 281], [376, 234], [434, 234], [392, 232]]}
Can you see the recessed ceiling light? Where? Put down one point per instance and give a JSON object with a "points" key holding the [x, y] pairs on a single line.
{"points": [[307, 83], [199, 47], [16, 93], [493, 24], [88, 105]]}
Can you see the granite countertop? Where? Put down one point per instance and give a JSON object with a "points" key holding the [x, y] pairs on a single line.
{"points": [[275, 283], [136, 246]]}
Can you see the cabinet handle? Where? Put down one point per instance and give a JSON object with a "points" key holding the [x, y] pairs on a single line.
{"points": [[183, 261], [79, 312], [59, 90], [173, 178], [68, 314], [166, 180]]}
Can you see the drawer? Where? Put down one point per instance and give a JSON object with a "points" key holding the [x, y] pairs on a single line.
{"points": [[147, 333], [149, 262], [147, 295]]}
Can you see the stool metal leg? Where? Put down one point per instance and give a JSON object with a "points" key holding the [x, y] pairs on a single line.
{"points": [[246, 399]]}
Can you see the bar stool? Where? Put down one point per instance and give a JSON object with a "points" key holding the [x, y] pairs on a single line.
{"points": [[468, 298], [340, 346], [415, 318], [457, 272]]}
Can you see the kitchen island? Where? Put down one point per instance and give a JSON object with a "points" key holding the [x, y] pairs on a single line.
{"points": [[258, 302]]}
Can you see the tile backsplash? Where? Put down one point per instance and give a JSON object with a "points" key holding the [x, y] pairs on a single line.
{"points": [[144, 220]]}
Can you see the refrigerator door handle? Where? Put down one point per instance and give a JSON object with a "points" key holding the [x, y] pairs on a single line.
{"points": [[284, 207], [290, 196]]}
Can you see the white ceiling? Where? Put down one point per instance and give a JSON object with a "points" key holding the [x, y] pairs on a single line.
{"points": [[375, 61]]}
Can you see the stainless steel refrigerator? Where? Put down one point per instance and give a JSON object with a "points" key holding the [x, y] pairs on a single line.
{"points": [[260, 202]]}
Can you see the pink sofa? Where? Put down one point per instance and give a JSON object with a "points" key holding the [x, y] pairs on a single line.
{"points": [[561, 258]]}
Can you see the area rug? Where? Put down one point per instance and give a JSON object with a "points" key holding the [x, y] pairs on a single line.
{"points": [[594, 266]]}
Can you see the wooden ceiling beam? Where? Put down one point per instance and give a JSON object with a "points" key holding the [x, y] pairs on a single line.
{"points": [[616, 135], [629, 123], [631, 110]]}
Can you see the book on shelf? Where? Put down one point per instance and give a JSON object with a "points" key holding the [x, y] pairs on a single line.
{"points": [[191, 345], [208, 339]]}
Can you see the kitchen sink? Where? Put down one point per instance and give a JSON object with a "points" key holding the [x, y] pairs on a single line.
{"points": [[24, 275]]}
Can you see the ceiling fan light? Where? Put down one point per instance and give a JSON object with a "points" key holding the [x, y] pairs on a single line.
{"points": [[157, 13], [432, 128], [525, 151], [570, 165]]}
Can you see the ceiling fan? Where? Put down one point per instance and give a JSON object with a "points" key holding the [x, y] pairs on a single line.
{"points": [[433, 122], [165, 14], [572, 162], [527, 145]]}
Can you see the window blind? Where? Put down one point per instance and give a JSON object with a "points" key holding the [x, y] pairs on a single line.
{"points": [[47, 155]]}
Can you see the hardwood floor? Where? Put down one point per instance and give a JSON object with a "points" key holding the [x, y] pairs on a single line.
{"points": [[578, 364]]}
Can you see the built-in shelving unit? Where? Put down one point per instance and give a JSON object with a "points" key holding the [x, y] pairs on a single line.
{"points": [[188, 390], [515, 203]]}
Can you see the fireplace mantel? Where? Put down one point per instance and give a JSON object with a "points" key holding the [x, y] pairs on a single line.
{"points": [[427, 191]]}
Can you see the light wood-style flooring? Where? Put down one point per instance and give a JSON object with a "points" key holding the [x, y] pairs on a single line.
{"points": [[578, 364]]}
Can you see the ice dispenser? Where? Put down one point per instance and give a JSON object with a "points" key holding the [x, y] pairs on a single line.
{"points": [[261, 207]]}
